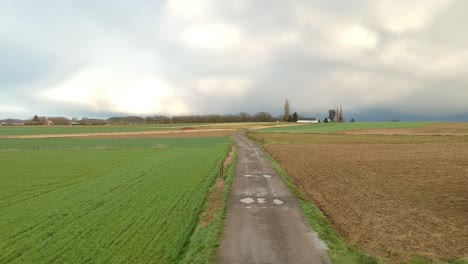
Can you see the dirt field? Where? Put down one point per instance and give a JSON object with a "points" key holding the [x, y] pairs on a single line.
{"points": [[397, 201]]}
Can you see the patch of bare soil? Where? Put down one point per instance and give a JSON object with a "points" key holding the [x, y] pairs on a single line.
{"points": [[439, 129], [395, 201], [215, 200], [230, 158]]}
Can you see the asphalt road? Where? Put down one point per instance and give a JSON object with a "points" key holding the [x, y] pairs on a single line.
{"points": [[264, 222]]}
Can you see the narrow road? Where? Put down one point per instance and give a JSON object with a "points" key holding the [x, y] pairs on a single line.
{"points": [[264, 222]]}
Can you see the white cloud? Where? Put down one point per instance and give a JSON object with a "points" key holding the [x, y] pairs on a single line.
{"points": [[223, 87], [453, 65], [211, 36], [401, 16], [101, 89], [357, 37], [12, 109], [189, 10]]}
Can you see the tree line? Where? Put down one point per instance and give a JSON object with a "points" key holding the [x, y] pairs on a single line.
{"points": [[335, 115], [157, 119]]}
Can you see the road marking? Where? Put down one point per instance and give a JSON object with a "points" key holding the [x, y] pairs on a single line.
{"points": [[261, 200], [266, 176], [247, 200], [278, 201]]}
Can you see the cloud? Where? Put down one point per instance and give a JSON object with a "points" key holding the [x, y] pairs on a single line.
{"points": [[223, 87], [173, 57], [402, 16], [100, 89], [211, 36], [12, 109], [357, 37]]}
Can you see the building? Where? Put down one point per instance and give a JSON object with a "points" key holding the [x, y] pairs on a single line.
{"points": [[312, 120]]}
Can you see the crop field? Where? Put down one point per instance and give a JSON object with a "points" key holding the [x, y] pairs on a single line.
{"points": [[54, 130], [31, 131], [103, 200], [398, 197], [336, 127]]}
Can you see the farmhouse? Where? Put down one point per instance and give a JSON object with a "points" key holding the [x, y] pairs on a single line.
{"points": [[312, 120]]}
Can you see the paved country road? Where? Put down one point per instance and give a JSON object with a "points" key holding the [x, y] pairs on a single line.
{"points": [[264, 222]]}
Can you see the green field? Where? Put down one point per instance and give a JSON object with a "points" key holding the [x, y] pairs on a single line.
{"points": [[103, 201], [336, 127], [54, 130]]}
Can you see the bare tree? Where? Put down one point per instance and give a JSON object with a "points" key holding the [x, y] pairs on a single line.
{"points": [[340, 117], [287, 110]]}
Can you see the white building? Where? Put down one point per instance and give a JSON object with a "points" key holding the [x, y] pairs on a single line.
{"points": [[312, 120]]}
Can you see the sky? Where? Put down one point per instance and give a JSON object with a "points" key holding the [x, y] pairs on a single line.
{"points": [[379, 59]]}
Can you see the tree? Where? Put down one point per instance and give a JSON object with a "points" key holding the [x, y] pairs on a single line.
{"points": [[352, 120], [287, 110], [295, 117], [339, 114], [263, 117], [35, 120], [59, 120], [331, 115]]}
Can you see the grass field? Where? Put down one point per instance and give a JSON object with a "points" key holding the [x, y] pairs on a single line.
{"points": [[318, 138], [53, 130], [103, 201], [399, 197], [335, 127]]}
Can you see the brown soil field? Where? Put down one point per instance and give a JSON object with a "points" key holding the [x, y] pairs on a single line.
{"points": [[440, 129], [396, 201]]}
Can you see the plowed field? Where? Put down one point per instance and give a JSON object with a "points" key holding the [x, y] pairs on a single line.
{"points": [[397, 201]]}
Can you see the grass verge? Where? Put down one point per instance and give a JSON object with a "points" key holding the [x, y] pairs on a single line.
{"points": [[204, 244]]}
